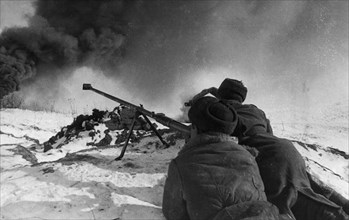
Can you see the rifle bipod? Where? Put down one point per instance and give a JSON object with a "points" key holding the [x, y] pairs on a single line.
{"points": [[130, 131]]}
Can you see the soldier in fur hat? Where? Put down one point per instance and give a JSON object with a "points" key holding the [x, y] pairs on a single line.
{"points": [[214, 178], [281, 166]]}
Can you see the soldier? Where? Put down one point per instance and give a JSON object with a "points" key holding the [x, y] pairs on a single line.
{"points": [[214, 178], [281, 166]]}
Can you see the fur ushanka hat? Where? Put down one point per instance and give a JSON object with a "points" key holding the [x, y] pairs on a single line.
{"points": [[232, 89], [210, 114]]}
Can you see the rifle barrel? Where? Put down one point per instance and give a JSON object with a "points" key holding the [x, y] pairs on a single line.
{"points": [[123, 102], [169, 122]]}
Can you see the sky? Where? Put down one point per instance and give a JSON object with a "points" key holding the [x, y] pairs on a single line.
{"points": [[288, 53]]}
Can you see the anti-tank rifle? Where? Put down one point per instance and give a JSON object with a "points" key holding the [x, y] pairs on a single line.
{"points": [[140, 111]]}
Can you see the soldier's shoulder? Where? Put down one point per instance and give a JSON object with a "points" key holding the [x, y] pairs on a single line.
{"points": [[251, 106]]}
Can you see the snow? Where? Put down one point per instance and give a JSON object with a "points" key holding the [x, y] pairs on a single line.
{"points": [[18, 186], [325, 126], [124, 199], [53, 155], [6, 139], [88, 173], [9, 160], [77, 181], [37, 125]]}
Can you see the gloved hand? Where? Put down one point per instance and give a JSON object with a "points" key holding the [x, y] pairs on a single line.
{"points": [[188, 103], [204, 92]]}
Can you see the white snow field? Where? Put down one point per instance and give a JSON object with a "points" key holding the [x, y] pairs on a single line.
{"points": [[84, 182]]}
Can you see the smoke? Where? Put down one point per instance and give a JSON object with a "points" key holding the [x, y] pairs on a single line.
{"points": [[61, 35], [163, 52]]}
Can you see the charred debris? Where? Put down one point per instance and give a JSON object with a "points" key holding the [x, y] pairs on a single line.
{"points": [[117, 124]]}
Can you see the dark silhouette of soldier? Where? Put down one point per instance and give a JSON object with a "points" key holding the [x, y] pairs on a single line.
{"points": [[281, 166], [213, 177]]}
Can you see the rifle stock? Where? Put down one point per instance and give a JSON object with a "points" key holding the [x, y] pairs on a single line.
{"points": [[162, 119]]}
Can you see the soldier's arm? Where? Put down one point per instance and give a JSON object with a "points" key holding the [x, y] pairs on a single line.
{"points": [[267, 121], [212, 91], [269, 128]]}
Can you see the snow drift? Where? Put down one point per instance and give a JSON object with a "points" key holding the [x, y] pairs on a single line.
{"points": [[80, 181]]}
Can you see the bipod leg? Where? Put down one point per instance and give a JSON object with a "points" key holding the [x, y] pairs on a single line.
{"points": [[128, 139], [154, 129]]}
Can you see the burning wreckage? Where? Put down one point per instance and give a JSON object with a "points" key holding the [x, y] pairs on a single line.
{"points": [[120, 122], [117, 123]]}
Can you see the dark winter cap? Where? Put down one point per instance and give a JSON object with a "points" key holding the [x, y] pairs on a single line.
{"points": [[210, 114], [232, 89]]}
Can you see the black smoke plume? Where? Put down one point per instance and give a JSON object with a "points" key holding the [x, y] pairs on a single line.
{"points": [[63, 34], [285, 51]]}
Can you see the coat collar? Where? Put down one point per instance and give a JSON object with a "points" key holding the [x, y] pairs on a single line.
{"points": [[205, 138]]}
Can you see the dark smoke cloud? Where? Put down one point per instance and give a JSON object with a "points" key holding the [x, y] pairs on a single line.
{"points": [[162, 50], [283, 50], [14, 67], [62, 34]]}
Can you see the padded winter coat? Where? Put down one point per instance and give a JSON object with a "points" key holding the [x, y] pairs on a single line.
{"points": [[251, 121], [214, 178], [281, 166]]}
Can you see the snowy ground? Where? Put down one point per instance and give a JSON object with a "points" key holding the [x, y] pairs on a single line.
{"points": [[84, 182]]}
